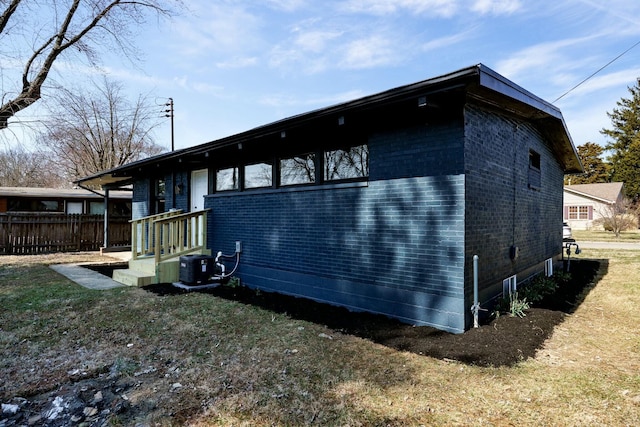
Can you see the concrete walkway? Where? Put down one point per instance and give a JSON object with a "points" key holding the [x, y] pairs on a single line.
{"points": [[88, 278], [85, 277]]}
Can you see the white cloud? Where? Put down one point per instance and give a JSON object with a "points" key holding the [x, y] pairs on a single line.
{"points": [[369, 52], [282, 100], [605, 81], [440, 8], [227, 28], [287, 5], [436, 8], [496, 7], [544, 56], [238, 62], [316, 41], [445, 41]]}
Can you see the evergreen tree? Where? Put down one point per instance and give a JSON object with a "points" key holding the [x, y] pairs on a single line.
{"points": [[625, 142], [595, 169], [628, 170]]}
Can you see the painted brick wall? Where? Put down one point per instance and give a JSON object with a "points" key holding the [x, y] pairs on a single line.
{"points": [[501, 209], [394, 245], [180, 201], [140, 199]]}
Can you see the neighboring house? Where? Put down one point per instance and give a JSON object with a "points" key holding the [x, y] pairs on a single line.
{"points": [[70, 201], [380, 204], [585, 204]]}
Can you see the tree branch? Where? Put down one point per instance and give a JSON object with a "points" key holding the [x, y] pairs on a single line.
{"points": [[6, 15]]}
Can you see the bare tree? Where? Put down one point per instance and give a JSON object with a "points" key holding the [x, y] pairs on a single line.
{"points": [[21, 168], [617, 217], [99, 130], [35, 34]]}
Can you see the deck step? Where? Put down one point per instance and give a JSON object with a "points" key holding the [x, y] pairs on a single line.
{"points": [[143, 271], [131, 277]]}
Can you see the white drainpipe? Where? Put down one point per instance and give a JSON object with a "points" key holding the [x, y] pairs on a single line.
{"points": [[475, 308]]}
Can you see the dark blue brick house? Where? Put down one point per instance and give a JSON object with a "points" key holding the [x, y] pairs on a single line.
{"points": [[381, 203]]}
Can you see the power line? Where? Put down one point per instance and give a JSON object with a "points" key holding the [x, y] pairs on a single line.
{"points": [[593, 74]]}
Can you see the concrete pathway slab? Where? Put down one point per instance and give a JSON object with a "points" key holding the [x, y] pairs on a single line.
{"points": [[85, 277]]}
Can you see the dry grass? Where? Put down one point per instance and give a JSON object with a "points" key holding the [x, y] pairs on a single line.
{"points": [[631, 236], [243, 366]]}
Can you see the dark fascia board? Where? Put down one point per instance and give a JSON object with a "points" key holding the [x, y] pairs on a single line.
{"points": [[479, 78]]}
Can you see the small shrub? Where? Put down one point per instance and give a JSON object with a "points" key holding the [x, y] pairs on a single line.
{"points": [[233, 282], [538, 288], [562, 277], [517, 306], [511, 304]]}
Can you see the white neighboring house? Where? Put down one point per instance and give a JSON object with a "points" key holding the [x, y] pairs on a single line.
{"points": [[585, 203]]}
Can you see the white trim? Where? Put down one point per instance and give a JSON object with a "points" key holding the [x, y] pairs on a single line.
{"points": [[548, 267], [509, 285]]}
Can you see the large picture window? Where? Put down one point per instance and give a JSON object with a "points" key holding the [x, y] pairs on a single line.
{"points": [[298, 170], [346, 164]]}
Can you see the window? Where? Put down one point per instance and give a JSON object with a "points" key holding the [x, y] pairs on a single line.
{"points": [[535, 177], [509, 285], [158, 198], [35, 205], [580, 212], [227, 179], [346, 164], [298, 170], [258, 175], [96, 208], [548, 267], [534, 160]]}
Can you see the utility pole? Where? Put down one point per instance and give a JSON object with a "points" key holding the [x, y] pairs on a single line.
{"points": [[169, 113]]}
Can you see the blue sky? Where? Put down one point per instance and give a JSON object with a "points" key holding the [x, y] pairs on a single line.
{"points": [[234, 65]]}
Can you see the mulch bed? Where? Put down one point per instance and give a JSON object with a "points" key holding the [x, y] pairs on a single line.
{"points": [[504, 341]]}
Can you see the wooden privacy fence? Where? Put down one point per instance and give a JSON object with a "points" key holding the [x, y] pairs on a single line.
{"points": [[33, 233]]}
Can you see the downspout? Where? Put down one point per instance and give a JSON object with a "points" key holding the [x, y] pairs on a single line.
{"points": [[106, 218], [475, 308]]}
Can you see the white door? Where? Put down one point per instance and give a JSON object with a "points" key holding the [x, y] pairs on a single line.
{"points": [[199, 188]]}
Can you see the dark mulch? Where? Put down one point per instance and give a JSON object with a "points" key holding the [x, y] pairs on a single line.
{"points": [[498, 342]]}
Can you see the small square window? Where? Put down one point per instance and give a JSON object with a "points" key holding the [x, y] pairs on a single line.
{"points": [[227, 179], [258, 175], [534, 159], [298, 170], [346, 163]]}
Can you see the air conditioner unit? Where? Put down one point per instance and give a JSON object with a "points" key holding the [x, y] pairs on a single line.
{"points": [[196, 269]]}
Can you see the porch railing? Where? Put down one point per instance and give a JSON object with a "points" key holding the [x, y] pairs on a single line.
{"points": [[180, 234], [142, 233], [169, 234]]}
